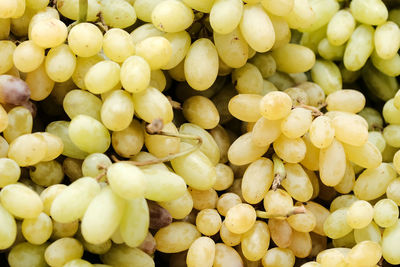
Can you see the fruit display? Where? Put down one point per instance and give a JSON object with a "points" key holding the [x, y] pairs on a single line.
{"points": [[212, 133]]}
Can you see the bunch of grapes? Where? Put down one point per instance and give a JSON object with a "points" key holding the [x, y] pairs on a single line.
{"points": [[199, 133]]}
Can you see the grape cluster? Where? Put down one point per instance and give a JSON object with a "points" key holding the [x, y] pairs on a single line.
{"points": [[199, 133]]}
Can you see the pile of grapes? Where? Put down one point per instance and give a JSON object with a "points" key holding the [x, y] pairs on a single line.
{"points": [[199, 133]]}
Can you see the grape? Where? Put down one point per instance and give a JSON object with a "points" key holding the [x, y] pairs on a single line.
{"points": [[385, 213], [71, 204], [118, 13], [108, 71], [135, 74], [28, 149], [257, 179], [179, 208], [204, 199], [70, 9], [327, 75], [297, 182], [102, 216], [9, 172], [61, 230], [248, 79], [155, 50], [135, 222], [48, 33], [129, 141], [37, 231], [13, 90], [225, 15], [118, 45], [85, 39], [370, 232], [172, 16], [63, 250], [232, 48], [176, 237], [47, 173], [227, 201], [201, 252], [226, 256], [8, 231], [117, 110], [255, 242], [7, 51], [359, 214], [275, 105], [124, 255], [27, 254], [278, 257]]}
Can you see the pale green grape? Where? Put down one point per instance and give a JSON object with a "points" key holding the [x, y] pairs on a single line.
{"points": [[330, 52], [359, 214], [343, 201], [118, 13], [85, 39], [27, 149], [265, 131], [368, 187], [248, 79], [48, 33], [70, 9], [122, 255], [390, 250], [21, 201], [172, 16], [195, 168], [340, 27], [370, 232], [244, 151], [262, 37], [146, 30], [391, 135], [278, 257], [201, 64], [28, 56], [176, 237], [359, 47], [232, 48], [83, 64], [26, 254], [77, 263], [60, 63], [20, 122], [278, 7], [335, 225], [118, 45], [89, 134], [332, 163], [290, 150], [144, 8], [225, 15], [373, 12], [46, 173], [60, 129], [129, 141], [102, 77], [8, 228], [297, 123], [47, 196], [346, 100], [240, 218], [373, 118], [102, 217], [366, 252], [135, 222], [117, 110], [384, 48], [386, 213], [321, 132], [180, 44], [378, 140], [135, 74], [179, 208], [324, 11], [163, 185], [95, 164], [9, 172], [71, 203], [327, 75], [38, 230], [264, 62], [156, 50], [275, 105], [301, 15], [201, 252], [151, 104], [350, 130], [78, 102], [226, 256], [62, 251], [297, 182]]}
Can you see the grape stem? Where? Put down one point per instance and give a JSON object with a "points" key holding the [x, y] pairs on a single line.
{"points": [[296, 210], [101, 174], [155, 128], [314, 111], [279, 172], [83, 10]]}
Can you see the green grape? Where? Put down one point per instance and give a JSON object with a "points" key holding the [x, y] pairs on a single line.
{"points": [[118, 45], [279, 7], [367, 187], [340, 27], [135, 222], [146, 30], [243, 151], [172, 16], [208, 222], [25, 254], [297, 182], [240, 218], [359, 47], [20, 122], [95, 164], [359, 214], [89, 134], [46, 173], [40, 83], [330, 52], [370, 232], [386, 213], [225, 15], [278, 257], [327, 75], [255, 242], [8, 231], [151, 104], [28, 56], [378, 140], [117, 110], [21, 201], [201, 64], [179, 208], [83, 64], [366, 252], [28, 149], [301, 15], [9, 172], [176, 237], [373, 118], [390, 67], [71, 203], [297, 123], [285, 55], [77, 263], [102, 216], [60, 129], [335, 225], [321, 132], [62, 251], [48, 195], [232, 48], [118, 13], [275, 105], [156, 50], [391, 135], [201, 252], [60, 63], [264, 62], [82, 102], [48, 33], [378, 84], [70, 9], [261, 38], [387, 31], [37, 231], [290, 150], [373, 12], [123, 255], [85, 39], [102, 77], [226, 256], [135, 74], [61, 230], [257, 179], [248, 79]]}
